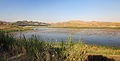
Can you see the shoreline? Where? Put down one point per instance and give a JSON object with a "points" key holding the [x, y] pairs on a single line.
{"points": [[89, 27]]}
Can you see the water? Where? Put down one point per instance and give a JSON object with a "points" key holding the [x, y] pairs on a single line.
{"points": [[108, 37]]}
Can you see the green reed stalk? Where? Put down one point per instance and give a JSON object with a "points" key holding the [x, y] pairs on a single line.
{"points": [[70, 40]]}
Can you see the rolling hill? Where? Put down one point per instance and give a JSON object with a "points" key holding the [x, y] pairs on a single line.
{"points": [[30, 23], [78, 23]]}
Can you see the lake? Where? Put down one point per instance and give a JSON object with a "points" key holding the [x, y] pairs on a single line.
{"points": [[107, 37]]}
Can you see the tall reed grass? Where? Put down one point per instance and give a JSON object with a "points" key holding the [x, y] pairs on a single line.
{"points": [[35, 50]]}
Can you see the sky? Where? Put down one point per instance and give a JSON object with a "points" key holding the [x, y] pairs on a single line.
{"points": [[60, 10]]}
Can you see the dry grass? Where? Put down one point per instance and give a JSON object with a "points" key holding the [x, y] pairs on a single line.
{"points": [[12, 28], [85, 24]]}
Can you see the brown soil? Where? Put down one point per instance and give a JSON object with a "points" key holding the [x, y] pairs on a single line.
{"points": [[96, 57]]}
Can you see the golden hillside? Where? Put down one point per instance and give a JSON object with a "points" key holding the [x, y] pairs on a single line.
{"points": [[78, 23]]}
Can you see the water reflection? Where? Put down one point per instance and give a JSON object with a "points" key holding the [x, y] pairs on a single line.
{"points": [[108, 37]]}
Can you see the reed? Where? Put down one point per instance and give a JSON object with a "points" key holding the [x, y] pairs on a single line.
{"points": [[70, 40]]}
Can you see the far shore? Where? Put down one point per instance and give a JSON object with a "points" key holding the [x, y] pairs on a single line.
{"points": [[89, 27]]}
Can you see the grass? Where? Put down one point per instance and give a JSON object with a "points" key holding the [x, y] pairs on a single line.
{"points": [[89, 27], [36, 50], [104, 50]]}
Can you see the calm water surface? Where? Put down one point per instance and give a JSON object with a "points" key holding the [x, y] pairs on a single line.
{"points": [[108, 37]]}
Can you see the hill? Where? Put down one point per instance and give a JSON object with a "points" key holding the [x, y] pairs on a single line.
{"points": [[30, 23], [8, 26], [78, 23], [20, 25]]}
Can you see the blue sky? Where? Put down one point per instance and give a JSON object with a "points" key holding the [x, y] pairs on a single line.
{"points": [[60, 10]]}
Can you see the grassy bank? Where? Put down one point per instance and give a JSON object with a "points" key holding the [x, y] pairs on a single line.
{"points": [[14, 29], [89, 27], [36, 50]]}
